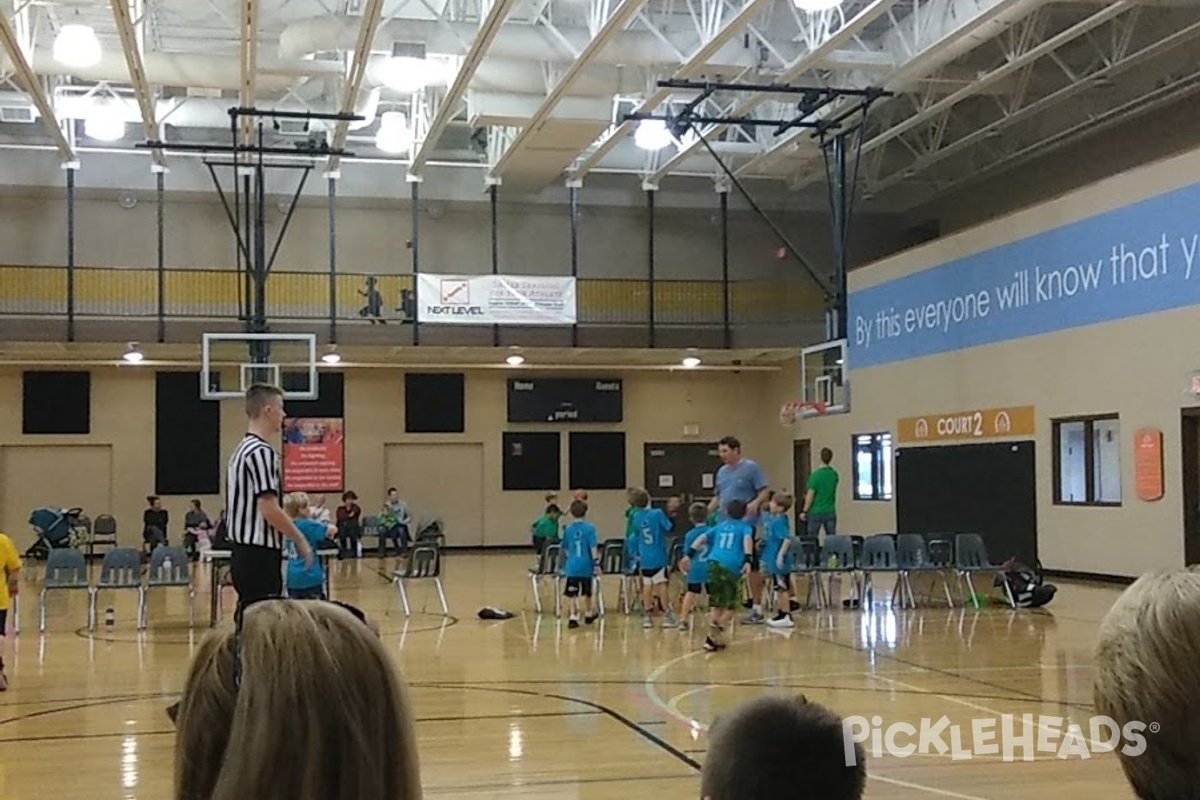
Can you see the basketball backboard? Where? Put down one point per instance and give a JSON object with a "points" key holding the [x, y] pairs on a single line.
{"points": [[233, 362], [825, 376]]}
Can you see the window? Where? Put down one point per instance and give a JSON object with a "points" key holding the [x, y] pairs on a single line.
{"points": [[1087, 461], [872, 466]]}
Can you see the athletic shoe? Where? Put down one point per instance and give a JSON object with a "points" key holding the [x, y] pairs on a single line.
{"points": [[710, 645], [590, 618], [782, 621], [754, 618], [669, 620], [647, 621], [574, 622], [793, 605], [685, 625]]}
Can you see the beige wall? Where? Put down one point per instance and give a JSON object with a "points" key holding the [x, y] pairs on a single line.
{"points": [[69, 470], [1138, 368]]}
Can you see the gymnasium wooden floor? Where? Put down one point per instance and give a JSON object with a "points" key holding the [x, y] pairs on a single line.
{"points": [[528, 708]]}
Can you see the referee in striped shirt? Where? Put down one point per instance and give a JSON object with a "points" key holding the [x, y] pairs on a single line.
{"points": [[256, 521]]}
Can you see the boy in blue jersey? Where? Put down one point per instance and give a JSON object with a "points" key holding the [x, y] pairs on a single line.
{"points": [[652, 526], [305, 583], [583, 563], [697, 574], [730, 551], [777, 557]]}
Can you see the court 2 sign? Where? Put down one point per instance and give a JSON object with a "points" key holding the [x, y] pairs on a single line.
{"points": [[1139, 259], [495, 300], [984, 423]]}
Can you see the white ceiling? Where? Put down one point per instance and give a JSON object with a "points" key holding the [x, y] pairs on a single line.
{"points": [[532, 88]]}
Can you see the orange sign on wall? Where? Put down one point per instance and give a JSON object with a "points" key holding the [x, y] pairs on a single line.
{"points": [[1148, 464], [984, 423]]}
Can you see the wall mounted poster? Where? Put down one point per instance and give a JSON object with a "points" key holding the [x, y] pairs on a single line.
{"points": [[313, 454]]}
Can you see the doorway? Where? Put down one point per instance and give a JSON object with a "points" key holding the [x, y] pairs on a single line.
{"points": [[801, 469], [686, 470], [1191, 485]]}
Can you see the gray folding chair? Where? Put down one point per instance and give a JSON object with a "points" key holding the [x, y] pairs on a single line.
{"points": [[612, 562], [120, 569], [912, 556], [104, 532], [65, 569], [806, 562], [878, 555], [549, 567], [180, 575], [838, 558], [424, 563], [370, 527]]}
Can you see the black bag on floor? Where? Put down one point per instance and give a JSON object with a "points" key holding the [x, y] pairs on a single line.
{"points": [[1027, 584]]}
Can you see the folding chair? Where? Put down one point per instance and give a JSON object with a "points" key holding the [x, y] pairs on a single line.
{"points": [[841, 548], [806, 561], [970, 557], [912, 556], [180, 575], [370, 527], [65, 569], [120, 569], [424, 563], [612, 562], [879, 555], [104, 532], [549, 566]]}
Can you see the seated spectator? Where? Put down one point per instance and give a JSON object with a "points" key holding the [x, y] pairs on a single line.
{"points": [[317, 509], [349, 525], [393, 524], [198, 526], [1148, 671], [781, 747], [155, 520], [300, 701]]}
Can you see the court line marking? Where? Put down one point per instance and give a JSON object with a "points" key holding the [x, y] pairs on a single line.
{"points": [[923, 788]]}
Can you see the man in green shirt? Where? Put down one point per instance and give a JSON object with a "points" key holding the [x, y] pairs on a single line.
{"points": [[820, 501]]}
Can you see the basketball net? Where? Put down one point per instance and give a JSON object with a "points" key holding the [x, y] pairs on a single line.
{"points": [[790, 412]]}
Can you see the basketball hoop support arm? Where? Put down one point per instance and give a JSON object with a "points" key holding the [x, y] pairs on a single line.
{"points": [[830, 130]]}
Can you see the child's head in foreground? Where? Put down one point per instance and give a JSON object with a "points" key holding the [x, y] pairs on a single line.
{"points": [[753, 753]]}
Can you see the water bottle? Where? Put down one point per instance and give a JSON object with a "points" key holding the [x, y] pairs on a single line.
{"points": [[833, 561], [166, 568], [110, 618]]}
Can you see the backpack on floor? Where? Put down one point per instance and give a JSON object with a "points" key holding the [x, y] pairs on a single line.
{"points": [[1027, 584]]}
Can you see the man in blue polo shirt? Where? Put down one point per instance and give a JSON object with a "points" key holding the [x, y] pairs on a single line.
{"points": [[742, 479]]}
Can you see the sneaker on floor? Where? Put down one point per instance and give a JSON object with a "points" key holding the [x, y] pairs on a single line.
{"points": [[793, 605], [685, 625], [754, 618], [669, 620], [781, 621], [573, 623], [590, 618], [647, 621], [710, 645]]}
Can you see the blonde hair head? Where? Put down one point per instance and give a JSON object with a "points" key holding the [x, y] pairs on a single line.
{"points": [[294, 504], [1148, 670], [320, 714]]}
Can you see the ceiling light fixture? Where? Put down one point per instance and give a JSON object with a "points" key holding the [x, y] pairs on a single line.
{"points": [[691, 360], [409, 69], [394, 135], [133, 355], [333, 356], [515, 360], [652, 134], [77, 46], [104, 125]]}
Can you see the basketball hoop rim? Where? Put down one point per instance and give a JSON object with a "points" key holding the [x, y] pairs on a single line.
{"points": [[790, 412]]}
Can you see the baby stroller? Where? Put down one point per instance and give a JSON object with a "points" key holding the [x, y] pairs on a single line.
{"points": [[56, 529]]}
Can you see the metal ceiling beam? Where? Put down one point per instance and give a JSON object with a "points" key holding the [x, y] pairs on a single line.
{"points": [[25, 78], [1009, 67], [614, 24], [131, 43], [931, 36], [695, 63], [1085, 82], [813, 58], [371, 15], [489, 26], [248, 24]]}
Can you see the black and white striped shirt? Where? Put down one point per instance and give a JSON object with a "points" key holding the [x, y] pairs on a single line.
{"points": [[253, 471]]}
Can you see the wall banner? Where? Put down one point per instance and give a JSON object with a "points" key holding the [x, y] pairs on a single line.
{"points": [[1148, 464], [314, 454], [978, 424], [495, 300]]}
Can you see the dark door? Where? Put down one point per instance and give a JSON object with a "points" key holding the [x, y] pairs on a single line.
{"points": [[1191, 485], [685, 470], [801, 468], [989, 489]]}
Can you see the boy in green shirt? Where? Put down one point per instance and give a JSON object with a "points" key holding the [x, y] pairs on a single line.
{"points": [[545, 529], [820, 501]]}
